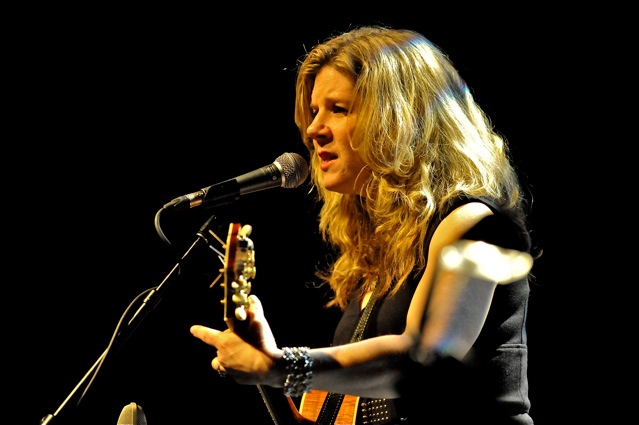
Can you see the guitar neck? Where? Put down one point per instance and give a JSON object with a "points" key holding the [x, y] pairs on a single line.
{"points": [[239, 269]]}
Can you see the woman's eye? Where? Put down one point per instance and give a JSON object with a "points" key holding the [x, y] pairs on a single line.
{"points": [[340, 110]]}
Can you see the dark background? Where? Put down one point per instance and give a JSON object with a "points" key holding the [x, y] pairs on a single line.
{"points": [[116, 112]]}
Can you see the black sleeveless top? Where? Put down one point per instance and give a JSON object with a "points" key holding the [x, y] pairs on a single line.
{"points": [[493, 385]]}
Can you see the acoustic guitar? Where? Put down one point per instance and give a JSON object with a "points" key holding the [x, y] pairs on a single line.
{"points": [[239, 269]]}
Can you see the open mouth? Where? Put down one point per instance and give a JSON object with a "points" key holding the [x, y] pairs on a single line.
{"points": [[327, 156]]}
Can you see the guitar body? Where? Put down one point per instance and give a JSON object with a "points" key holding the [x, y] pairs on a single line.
{"points": [[285, 411], [312, 402], [239, 268]]}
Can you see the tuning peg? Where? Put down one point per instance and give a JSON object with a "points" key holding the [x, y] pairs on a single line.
{"points": [[245, 230]]}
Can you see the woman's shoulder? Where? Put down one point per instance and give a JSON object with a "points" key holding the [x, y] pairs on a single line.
{"points": [[460, 220], [502, 226], [482, 219]]}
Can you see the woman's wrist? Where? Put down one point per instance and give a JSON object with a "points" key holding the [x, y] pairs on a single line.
{"points": [[299, 371]]}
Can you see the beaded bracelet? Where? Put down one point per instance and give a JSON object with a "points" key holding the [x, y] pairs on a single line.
{"points": [[299, 368]]}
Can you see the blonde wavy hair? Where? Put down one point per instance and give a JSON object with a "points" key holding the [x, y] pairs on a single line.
{"points": [[426, 141]]}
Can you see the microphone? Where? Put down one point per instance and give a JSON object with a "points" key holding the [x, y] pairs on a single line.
{"points": [[289, 170], [132, 414]]}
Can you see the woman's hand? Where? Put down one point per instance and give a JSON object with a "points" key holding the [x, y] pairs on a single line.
{"points": [[248, 358]]}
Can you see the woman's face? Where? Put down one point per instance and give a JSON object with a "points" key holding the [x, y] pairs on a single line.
{"points": [[334, 118]]}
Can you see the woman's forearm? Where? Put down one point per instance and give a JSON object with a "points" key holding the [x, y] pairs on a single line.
{"points": [[367, 368]]}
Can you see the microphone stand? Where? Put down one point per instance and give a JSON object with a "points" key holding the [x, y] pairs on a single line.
{"points": [[150, 302]]}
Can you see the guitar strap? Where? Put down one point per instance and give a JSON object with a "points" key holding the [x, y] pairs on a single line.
{"points": [[333, 401]]}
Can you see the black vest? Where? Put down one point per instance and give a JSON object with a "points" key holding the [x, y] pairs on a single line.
{"points": [[493, 385]]}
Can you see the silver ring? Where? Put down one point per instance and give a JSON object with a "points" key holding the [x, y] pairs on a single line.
{"points": [[222, 374]]}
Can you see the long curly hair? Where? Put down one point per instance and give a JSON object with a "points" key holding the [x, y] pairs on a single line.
{"points": [[426, 142]]}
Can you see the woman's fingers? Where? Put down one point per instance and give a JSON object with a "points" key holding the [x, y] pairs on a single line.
{"points": [[255, 305], [205, 334], [265, 335]]}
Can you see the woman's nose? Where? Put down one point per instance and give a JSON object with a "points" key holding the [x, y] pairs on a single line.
{"points": [[313, 128], [317, 128]]}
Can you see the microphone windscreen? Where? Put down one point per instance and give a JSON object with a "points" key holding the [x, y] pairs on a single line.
{"points": [[294, 169], [132, 414]]}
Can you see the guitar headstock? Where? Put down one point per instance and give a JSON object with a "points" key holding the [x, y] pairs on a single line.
{"points": [[239, 268]]}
